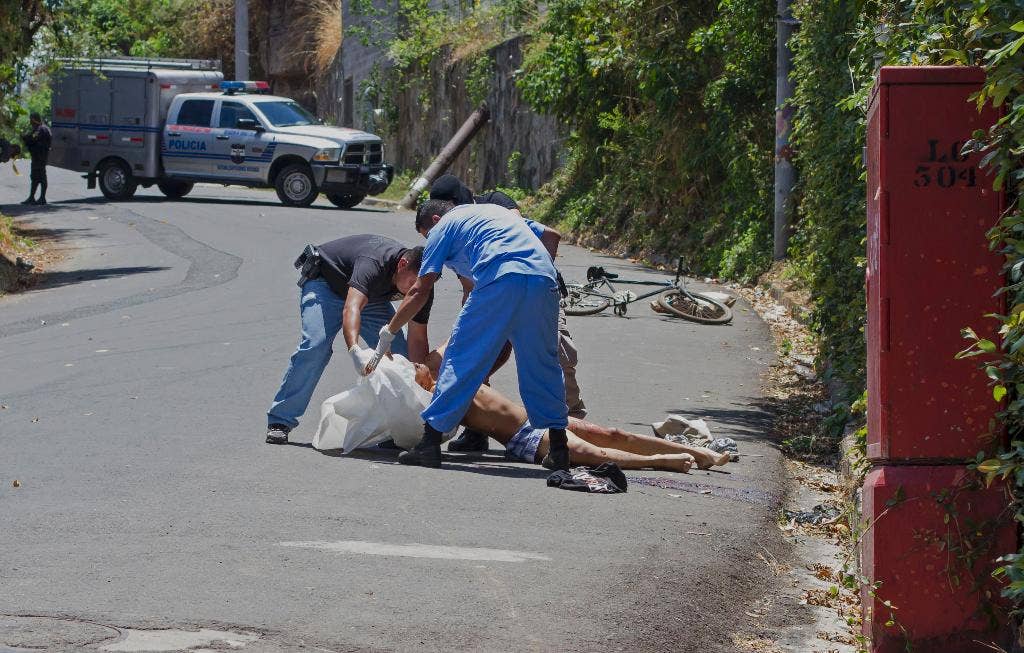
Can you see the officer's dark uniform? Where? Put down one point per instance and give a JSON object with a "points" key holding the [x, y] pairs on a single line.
{"points": [[37, 142]]}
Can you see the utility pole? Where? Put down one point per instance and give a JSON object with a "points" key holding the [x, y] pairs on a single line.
{"points": [[785, 174], [241, 39]]}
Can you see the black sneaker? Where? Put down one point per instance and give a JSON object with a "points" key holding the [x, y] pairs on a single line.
{"points": [[29, 202], [41, 201], [424, 455], [470, 441], [277, 434], [556, 459]]}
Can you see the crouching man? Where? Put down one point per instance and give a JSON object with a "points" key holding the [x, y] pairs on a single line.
{"points": [[347, 285]]}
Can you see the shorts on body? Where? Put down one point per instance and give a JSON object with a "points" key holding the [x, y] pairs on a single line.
{"points": [[524, 444]]}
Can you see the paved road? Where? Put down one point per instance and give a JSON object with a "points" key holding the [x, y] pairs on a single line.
{"points": [[134, 387]]}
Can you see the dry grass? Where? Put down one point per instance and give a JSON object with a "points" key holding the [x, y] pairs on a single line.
{"points": [[319, 29], [12, 245]]}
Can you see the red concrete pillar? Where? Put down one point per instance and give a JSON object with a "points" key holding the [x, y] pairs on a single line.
{"points": [[930, 273]]}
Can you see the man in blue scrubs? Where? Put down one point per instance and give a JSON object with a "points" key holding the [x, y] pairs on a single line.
{"points": [[514, 299]]}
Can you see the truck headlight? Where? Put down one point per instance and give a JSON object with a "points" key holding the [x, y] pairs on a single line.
{"points": [[328, 155]]}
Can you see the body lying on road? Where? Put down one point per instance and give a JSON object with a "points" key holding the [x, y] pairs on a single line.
{"points": [[589, 444]]}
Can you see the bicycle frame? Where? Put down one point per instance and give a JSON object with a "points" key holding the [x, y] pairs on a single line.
{"points": [[662, 286]]}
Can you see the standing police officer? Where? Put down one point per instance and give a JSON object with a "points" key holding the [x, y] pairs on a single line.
{"points": [[37, 142], [347, 285]]}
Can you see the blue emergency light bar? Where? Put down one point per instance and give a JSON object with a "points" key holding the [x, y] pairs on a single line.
{"points": [[244, 87]]}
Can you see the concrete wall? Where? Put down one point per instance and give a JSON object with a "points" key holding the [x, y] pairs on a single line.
{"points": [[420, 130], [513, 128]]}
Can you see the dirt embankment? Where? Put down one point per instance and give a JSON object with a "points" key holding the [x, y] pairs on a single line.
{"points": [[23, 256]]}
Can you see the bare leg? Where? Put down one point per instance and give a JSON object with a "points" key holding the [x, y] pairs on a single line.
{"points": [[584, 453], [603, 436]]}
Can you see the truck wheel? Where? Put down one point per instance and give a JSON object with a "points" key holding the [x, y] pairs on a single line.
{"points": [[116, 180], [174, 188], [345, 200], [295, 185]]}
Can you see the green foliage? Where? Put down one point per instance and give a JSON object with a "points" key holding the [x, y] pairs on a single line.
{"points": [[671, 152], [20, 22], [138, 28], [479, 78], [828, 133], [36, 99]]}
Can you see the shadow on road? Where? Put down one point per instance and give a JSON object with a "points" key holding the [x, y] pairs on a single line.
{"points": [[68, 277], [486, 464], [156, 199], [24, 211]]}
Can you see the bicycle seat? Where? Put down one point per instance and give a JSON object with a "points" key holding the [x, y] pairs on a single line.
{"points": [[594, 273]]}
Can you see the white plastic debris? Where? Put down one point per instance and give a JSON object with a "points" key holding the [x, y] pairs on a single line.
{"points": [[724, 298], [385, 404], [679, 425], [694, 432]]}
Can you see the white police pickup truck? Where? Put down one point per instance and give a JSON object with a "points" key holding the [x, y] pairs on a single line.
{"points": [[129, 122]]}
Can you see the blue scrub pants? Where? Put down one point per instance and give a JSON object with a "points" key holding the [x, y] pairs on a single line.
{"points": [[519, 308], [320, 309]]}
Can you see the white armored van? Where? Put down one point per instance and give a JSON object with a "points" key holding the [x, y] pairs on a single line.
{"points": [[128, 122]]}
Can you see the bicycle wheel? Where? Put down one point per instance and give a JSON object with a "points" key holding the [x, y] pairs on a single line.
{"points": [[581, 301], [704, 310]]}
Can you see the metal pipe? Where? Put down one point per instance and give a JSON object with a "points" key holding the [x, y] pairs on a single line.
{"points": [[785, 173], [448, 153], [241, 40]]}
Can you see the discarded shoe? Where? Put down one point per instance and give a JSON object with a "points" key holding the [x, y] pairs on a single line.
{"points": [[556, 459], [424, 455], [470, 441], [277, 434]]}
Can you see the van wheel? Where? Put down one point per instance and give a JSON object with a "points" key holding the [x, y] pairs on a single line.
{"points": [[345, 200], [116, 180], [295, 185], [175, 189]]}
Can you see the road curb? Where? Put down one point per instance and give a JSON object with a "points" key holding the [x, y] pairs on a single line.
{"points": [[391, 204], [798, 311]]}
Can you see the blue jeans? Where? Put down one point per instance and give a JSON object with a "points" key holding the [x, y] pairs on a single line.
{"points": [[320, 309]]}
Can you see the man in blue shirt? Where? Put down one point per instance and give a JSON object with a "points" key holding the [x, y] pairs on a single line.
{"points": [[514, 299], [450, 187]]}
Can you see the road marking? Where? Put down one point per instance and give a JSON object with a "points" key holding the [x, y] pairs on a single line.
{"points": [[419, 551], [177, 640]]}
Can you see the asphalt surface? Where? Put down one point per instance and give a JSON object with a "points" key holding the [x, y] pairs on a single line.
{"points": [[134, 385]]}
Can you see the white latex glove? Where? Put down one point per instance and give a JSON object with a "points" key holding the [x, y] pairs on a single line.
{"points": [[383, 347], [361, 358]]}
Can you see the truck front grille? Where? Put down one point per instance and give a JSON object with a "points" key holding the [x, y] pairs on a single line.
{"points": [[364, 154]]}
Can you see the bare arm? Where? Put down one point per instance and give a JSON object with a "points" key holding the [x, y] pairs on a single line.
{"points": [[415, 300], [418, 344], [550, 239], [351, 317]]}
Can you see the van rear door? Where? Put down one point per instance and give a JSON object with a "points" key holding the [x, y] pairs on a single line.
{"points": [[188, 139]]}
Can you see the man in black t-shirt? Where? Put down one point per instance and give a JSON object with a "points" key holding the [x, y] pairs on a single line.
{"points": [[349, 291], [450, 187]]}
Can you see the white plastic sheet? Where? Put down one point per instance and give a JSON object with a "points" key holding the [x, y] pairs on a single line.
{"points": [[679, 425], [385, 404]]}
